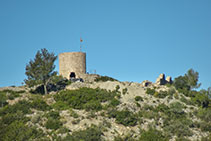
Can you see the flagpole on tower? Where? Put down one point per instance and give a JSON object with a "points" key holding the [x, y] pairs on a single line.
{"points": [[81, 44]]}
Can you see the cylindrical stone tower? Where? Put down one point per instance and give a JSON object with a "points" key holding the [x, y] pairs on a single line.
{"points": [[72, 63]]}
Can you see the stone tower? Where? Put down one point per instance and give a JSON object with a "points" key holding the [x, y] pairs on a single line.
{"points": [[72, 64]]}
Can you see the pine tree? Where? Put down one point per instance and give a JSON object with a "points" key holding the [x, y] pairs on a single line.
{"points": [[40, 70]]}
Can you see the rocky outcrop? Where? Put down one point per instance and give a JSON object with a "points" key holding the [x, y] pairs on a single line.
{"points": [[146, 83]]}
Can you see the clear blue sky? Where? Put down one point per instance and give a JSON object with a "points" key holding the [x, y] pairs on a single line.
{"points": [[130, 40]]}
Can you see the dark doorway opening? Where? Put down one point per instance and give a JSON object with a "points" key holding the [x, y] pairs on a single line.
{"points": [[72, 75]]}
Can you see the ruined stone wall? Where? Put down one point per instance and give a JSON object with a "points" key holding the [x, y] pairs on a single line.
{"points": [[72, 62]]}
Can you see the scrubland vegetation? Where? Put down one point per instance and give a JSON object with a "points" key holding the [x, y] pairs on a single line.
{"points": [[178, 111]]}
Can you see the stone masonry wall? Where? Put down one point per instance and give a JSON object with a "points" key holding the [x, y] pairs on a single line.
{"points": [[72, 62]]}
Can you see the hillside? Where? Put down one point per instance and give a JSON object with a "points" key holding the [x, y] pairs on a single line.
{"points": [[105, 109]]}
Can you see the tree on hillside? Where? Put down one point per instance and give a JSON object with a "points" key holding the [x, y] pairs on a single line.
{"points": [[192, 79], [40, 70], [189, 81]]}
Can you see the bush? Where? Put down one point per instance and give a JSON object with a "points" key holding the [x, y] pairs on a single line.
{"points": [[161, 94], [18, 131], [13, 123], [178, 127], [127, 137], [40, 104], [205, 126], [124, 91], [186, 101], [53, 114], [3, 99], [150, 91], [23, 106], [162, 108], [152, 135], [104, 79], [53, 124], [124, 117], [73, 114], [92, 133], [83, 98], [204, 114], [138, 98], [92, 105], [176, 110], [114, 102]]}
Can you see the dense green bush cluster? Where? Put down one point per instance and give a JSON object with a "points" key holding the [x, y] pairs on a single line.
{"points": [[148, 112], [104, 79], [124, 117], [152, 135], [205, 115], [138, 98], [8, 94], [161, 94], [13, 123], [40, 104], [92, 133], [53, 124], [53, 121], [84, 98], [175, 119], [150, 91]]}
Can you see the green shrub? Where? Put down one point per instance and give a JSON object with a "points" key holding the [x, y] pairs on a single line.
{"points": [[176, 110], [53, 114], [149, 114], [92, 133], [186, 101], [23, 106], [117, 88], [83, 98], [161, 94], [124, 117], [152, 135], [73, 114], [200, 99], [104, 79], [127, 137], [93, 105], [162, 108], [138, 98], [150, 91], [204, 114], [205, 126], [13, 120], [18, 131], [114, 102], [9, 118], [60, 105], [178, 127], [3, 99], [53, 124], [124, 91], [40, 104]]}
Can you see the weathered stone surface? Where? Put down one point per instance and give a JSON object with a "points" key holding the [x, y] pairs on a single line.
{"points": [[161, 80], [169, 80], [72, 62], [146, 83]]}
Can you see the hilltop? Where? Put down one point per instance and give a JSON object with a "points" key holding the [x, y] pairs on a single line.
{"points": [[105, 109]]}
